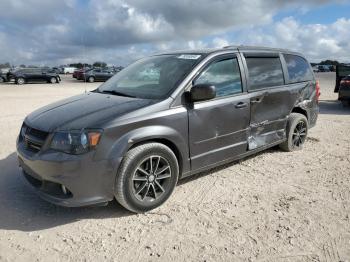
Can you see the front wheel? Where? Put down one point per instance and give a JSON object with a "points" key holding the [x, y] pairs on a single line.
{"points": [[297, 129], [20, 81], [147, 177], [91, 79], [53, 80]]}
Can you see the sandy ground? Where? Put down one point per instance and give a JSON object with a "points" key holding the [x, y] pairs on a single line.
{"points": [[274, 206]]}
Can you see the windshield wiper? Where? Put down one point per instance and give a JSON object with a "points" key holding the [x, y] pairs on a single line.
{"points": [[113, 92]]}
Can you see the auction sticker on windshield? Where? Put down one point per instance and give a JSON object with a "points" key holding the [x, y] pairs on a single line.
{"points": [[192, 57]]}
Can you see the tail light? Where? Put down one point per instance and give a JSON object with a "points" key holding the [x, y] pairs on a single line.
{"points": [[318, 91], [347, 82]]}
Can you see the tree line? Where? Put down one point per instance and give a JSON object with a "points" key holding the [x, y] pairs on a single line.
{"points": [[77, 65]]}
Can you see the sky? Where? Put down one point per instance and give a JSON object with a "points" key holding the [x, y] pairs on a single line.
{"points": [[55, 32]]}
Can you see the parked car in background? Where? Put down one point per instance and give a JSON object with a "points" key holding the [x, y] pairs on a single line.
{"points": [[32, 75], [323, 68], [69, 70], [315, 69], [134, 136], [78, 73], [340, 72], [97, 75], [82, 74], [344, 91], [3, 75], [57, 70]]}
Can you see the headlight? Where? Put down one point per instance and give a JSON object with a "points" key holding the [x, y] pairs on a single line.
{"points": [[23, 130], [75, 142]]}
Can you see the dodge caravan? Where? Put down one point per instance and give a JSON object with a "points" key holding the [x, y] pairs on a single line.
{"points": [[166, 117]]}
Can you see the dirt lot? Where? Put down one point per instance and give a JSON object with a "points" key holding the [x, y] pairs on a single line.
{"points": [[274, 206]]}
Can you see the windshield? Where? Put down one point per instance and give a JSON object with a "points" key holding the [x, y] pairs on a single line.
{"points": [[152, 77]]}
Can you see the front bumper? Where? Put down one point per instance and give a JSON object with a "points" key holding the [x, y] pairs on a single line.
{"points": [[68, 180]]}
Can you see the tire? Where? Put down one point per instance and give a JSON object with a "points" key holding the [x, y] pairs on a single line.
{"points": [[2, 80], [20, 81], [53, 80], [297, 129], [91, 79], [142, 191]]}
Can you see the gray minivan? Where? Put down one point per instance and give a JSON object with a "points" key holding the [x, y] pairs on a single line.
{"points": [[166, 117]]}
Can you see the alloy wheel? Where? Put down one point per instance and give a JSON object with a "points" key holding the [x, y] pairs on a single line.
{"points": [[299, 134], [151, 178]]}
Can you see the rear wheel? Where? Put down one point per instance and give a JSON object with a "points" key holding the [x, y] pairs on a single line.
{"points": [[147, 177], [297, 129], [91, 79], [20, 81]]}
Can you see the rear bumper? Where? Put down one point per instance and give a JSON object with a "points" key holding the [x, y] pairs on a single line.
{"points": [[68, 180], [313, 116]]}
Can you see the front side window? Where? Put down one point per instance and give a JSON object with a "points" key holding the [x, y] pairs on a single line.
{"points": [[264, 72], [224, 75], [152, 77], [298, 69]]}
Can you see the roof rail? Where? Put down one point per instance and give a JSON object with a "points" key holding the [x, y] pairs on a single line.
{"points": [[247, 47]]}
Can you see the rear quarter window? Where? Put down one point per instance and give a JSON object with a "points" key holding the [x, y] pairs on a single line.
{"points": [[264, 72], [298, 69]]}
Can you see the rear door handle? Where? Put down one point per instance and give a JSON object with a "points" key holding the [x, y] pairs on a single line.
{"points": [[241, 105], [259, 98], [256, 100]]}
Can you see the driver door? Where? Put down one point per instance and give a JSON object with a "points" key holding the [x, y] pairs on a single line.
{"points": [[218, 128]]}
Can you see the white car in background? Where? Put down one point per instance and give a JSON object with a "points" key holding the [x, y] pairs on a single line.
{"points": [[69, 70]]}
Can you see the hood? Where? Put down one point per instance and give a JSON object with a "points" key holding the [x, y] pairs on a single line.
{"points": [[89, 110]]}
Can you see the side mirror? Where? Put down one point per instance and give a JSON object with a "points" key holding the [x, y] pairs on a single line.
{"points": [[202, 92]]}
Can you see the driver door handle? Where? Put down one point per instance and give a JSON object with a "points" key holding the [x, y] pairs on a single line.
{"points": [[241, 105]]}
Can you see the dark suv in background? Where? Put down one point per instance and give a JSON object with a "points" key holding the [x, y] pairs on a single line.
{"points": [[166, 117], [342, 84], [33, 75]]}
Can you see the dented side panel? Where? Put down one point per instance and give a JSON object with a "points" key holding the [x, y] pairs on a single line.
{"points": [[269, 114]]}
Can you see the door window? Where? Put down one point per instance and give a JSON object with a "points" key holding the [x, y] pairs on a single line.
{"points": [[264, 72], [224, 75], [298, 69]]}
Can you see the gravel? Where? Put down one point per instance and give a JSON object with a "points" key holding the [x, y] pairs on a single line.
{"points": [[273, 206]]}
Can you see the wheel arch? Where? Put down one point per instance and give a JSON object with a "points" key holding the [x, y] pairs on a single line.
{"points": [[300, 110], [159, 134]]}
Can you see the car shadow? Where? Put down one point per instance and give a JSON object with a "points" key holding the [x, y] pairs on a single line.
{"points": [[21, 209], [333, 107]]}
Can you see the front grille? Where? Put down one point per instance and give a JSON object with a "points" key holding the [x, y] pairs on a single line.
{"points": [[33, 138]]}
